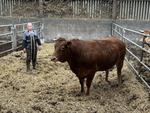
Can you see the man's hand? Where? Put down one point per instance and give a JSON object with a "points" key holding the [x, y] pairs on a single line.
{"points": [[39, 48], [24, 50]]}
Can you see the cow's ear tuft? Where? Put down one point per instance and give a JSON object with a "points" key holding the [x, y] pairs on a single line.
{"points": [[68, 44]]}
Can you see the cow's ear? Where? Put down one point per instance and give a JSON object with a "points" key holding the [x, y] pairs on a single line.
{"points": [[68, 44]]}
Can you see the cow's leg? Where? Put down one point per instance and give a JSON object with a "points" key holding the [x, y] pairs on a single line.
{"points": [[119, 68], [107, 72], [88, 83], [82, 84]]}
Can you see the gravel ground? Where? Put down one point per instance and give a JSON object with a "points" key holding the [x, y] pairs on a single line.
{"points": [[53, 88]]}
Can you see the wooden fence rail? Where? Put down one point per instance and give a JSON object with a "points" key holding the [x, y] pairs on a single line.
{"points": [[102, 9], [134, 9]]}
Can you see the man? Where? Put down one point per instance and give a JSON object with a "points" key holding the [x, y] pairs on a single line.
{"points": [[30, 42]]}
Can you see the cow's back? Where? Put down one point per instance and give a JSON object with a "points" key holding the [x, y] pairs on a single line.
{"points": [[100, 54]]}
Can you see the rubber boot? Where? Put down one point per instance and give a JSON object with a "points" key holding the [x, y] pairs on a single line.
{"points": [[28, 67], [34, 65]]}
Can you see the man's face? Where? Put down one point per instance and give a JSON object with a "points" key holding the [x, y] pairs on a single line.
{"points": [[29, 26]]}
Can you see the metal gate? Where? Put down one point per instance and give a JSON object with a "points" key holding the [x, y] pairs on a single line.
{"points": [[138, 51], [11, 36]]}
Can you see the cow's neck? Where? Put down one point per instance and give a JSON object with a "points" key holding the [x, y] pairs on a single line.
{"points": [[73, 61]]}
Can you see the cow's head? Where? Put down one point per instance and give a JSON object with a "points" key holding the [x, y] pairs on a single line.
{"points": [[62, 47]]}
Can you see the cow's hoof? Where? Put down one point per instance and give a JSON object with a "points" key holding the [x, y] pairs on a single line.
{"points": [[87, 94], [80, 94], [108, 82], [114, 85]]}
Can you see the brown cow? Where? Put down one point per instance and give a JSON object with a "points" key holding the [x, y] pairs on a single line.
{"points": [[87, 57]]}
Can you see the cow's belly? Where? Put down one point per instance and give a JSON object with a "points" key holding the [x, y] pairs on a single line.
{"points": [[104, 68], [105, 64]]}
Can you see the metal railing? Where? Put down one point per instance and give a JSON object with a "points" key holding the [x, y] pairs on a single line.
{"points": [[136, 49], [14, 40]]}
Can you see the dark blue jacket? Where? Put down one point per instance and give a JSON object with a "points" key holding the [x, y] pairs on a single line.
{"points": [[27, 38]]}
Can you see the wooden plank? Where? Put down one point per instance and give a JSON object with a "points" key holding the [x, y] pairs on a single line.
{"points": [[114, 10], [149, 11], [133, 10], [121, 9], [146, 11], [1, 9], [41, 7]]}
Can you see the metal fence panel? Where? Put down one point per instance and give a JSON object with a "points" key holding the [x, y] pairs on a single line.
{"points": [[11, 36], [138, 51]]}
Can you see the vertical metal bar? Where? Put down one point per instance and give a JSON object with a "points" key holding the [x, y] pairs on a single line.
{"points": [[112, 31], [142, 52]]}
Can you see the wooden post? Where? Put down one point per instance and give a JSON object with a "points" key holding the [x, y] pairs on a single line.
{"points": [[10, 8], [114, 10], [41, 8], [13, 37], [1, 13]]}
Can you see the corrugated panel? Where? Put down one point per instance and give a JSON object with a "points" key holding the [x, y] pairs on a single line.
{"points": [[134, 9]]}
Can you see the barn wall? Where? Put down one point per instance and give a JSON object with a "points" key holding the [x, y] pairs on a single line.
{"points": [[76, 28], [86, 28], [134, 24], [15, 20], [79, 28]]}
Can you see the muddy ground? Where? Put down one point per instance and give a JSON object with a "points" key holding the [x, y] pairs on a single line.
{"points": [[53, 88]]}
